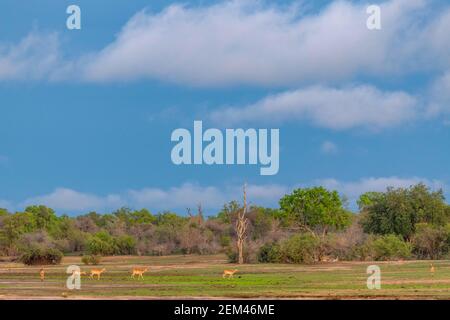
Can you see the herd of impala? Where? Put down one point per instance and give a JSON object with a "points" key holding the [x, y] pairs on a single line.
{"points": [[137, 271]]}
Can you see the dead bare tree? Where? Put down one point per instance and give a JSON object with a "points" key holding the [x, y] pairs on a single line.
{"points": [[200, 213], [241, 228]]}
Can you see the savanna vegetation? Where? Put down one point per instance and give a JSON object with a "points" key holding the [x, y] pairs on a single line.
{"points": [[310, 225]]}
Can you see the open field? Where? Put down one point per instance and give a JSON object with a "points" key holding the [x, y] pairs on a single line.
{"points": [[201, 277]]}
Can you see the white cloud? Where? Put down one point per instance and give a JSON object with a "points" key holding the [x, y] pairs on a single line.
{"points": [[187, 195], [249, 42], [35, 57], [353, 189], [70, 200], [212, 198], [328, 107], [329, 147]]}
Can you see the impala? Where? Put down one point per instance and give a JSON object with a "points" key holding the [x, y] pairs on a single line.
{"points": [[42, 274], [229, 273], [139, 272], [97, 272]]}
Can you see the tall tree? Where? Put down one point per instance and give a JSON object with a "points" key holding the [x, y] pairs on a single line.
{"points": [[241, 228]]}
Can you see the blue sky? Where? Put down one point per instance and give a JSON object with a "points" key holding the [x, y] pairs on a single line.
{"points": [[86, 115]]}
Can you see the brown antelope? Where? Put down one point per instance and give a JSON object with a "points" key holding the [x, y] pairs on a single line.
{"points": [[139, 272], [42, 274], [96, 272], [229, 273], [432, 269]]}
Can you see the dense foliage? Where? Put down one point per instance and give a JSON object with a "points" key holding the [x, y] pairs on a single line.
{"points": [[311, 224]]}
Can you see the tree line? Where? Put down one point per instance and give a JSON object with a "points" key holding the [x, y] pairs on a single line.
{"points": [[310, 225]]}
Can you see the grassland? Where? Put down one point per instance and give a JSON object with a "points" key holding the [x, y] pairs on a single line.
{"points": [[200, 277]]}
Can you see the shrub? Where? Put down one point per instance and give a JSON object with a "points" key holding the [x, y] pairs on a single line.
{"points": [[347, 244], [300, 248], [38, 255], [125, 245], [269, 252], [231, 255], [431, 242], [389, 247], [91, 259], [101, 243]]}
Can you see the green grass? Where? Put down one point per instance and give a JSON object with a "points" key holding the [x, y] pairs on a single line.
{"points": [[201, 276]]}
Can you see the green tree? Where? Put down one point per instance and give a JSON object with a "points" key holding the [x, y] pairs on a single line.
{"points": [[316, 210], [44, 217], [397, 211], [15, 225], [367, 199]]}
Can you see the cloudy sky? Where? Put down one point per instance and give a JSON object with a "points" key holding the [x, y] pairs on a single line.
{"points": [[86, 115]]}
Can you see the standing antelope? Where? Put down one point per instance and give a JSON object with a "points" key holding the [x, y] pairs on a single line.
{"points": [[42, 274], [96, 272], [229, 273], [139, 272], [432, 269]]}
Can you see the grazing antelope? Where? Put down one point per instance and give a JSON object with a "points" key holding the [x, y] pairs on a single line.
{"points": [[139, 272], [432, 269], [96, 272], [229, 273], [42, 274]]}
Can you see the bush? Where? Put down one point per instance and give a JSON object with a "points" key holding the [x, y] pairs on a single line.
{"points": [[101, 243], [38, 255], [347, 244], [389, 247], [270, 252], [125, 245], [431, 242], [91, 259], [300, 248]]}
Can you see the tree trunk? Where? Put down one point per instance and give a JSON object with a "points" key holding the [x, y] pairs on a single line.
{"points": [[241, 229]]}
